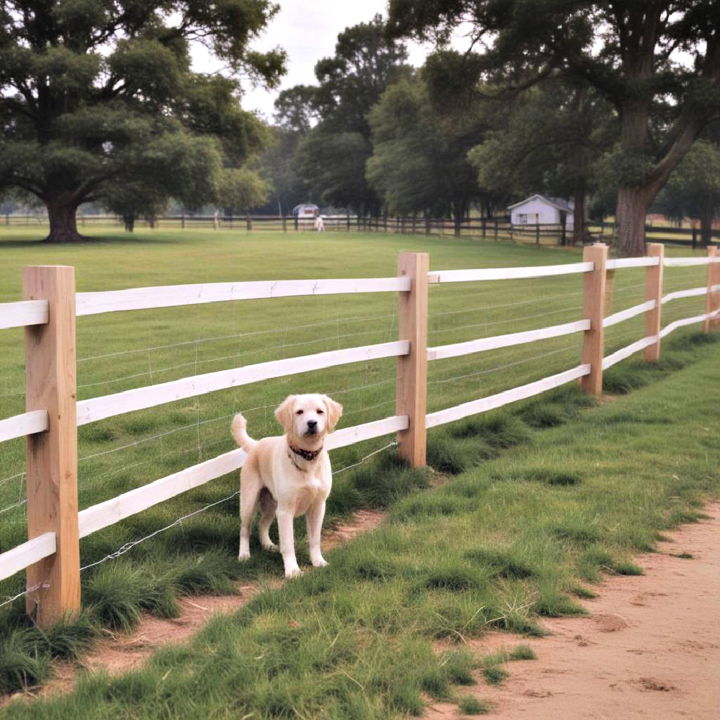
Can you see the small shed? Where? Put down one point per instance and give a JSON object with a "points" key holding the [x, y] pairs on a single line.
{"points": [[538, 209], [306, 210]]}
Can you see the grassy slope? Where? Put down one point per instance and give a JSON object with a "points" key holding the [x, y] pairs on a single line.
{"points": [[495, 547]]}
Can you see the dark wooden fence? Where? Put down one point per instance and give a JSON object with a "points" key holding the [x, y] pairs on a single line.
{"points": [[485, 228]]}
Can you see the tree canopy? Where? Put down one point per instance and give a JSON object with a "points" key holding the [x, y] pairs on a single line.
{"points": [[693, 189], [656, 62], [97, 94], [549, 143]]}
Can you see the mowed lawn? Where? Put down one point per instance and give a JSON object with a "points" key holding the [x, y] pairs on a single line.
{"points": [[119, 351]]}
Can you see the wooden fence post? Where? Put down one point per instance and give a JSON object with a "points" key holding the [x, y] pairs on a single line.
{"points": [[248, 223], [411, 389], [594, 310], [52, 502], [654, 291], [712, 299]]}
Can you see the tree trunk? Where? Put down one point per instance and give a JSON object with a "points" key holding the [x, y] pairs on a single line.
{"points": [[63, 223], [579, 216], [706, 221], [632, 207]]}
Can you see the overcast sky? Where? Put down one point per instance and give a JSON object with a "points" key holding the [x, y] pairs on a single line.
{"points": [[307, 30]]}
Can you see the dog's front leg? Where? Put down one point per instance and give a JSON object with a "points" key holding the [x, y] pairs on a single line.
{"points": [[314, 518], [287, 542]]}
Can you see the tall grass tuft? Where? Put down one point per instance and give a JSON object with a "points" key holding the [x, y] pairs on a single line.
{"points": [[22, 663]]}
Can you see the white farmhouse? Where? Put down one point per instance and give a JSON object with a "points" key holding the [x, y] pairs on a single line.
{"points": [[543, 210]]}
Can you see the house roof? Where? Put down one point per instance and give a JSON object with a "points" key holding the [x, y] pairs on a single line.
{"points": [[558, 203]]}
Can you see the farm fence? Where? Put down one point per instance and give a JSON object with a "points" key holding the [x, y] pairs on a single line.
{"points": [[51, 555], [486, 228]]}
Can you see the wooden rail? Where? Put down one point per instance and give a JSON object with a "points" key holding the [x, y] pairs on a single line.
{"points": [[442, 352], [492, 402], [25, 424], [630, 312], [51, 555], [627, 351], [93, 303], [678, 294], [146, 397], [445, 276], [27, 554], [23, 313], [622, 263]]}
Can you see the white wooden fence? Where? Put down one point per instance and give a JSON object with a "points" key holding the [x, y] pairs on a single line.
{"points": [[51, 555]]}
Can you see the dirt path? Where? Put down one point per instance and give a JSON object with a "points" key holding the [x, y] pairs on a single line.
{"points": [[119, 652], [649, 649]]}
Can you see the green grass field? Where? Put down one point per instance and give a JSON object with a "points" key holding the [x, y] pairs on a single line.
{"points": [[124, 350]]}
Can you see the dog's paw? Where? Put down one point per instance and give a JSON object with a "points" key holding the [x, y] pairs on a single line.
{"points": [[319, 562], [242, 556], [293, 572]]}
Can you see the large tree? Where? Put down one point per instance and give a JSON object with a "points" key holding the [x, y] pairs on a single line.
{"points": [[99, 93], [656, 61], [693, 189], [549, 144]]}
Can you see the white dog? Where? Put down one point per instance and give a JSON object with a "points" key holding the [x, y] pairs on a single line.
{"points": [[288, 476], [319, 223]]}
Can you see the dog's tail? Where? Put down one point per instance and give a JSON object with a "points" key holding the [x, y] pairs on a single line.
{"points": [[239, 432]]}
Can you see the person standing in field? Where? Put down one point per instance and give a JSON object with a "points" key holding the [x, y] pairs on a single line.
{"points": [[319, 222]]}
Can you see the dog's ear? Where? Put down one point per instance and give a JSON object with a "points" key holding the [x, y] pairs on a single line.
{"points": [[334, 412], [284, 413]]}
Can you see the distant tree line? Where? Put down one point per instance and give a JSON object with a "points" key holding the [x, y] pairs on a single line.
{"points": [[585, 100], [615, 105]]}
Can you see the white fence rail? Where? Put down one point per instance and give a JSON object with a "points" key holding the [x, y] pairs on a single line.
{"points": [[500, 341], [146, 397], [27, 554], [679, 294], [622, 263], [689, 262], [630, 312], [513, 273], [23, 313], [21, 425], [492, 402], [93, 303]]}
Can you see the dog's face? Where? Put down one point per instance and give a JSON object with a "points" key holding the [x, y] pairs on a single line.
{"points": [[308, 416]]}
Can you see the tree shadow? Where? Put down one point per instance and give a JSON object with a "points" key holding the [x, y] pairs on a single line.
{"points": [[128, 239]]}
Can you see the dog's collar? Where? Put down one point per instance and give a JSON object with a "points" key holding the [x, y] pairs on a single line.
{"points": [[306, 454]]}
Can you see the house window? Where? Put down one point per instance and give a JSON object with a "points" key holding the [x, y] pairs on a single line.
{"points": [[522, 218]]}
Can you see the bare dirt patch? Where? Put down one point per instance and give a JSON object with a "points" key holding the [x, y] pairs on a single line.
{"points": [[119, 652], [650, 647]]}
